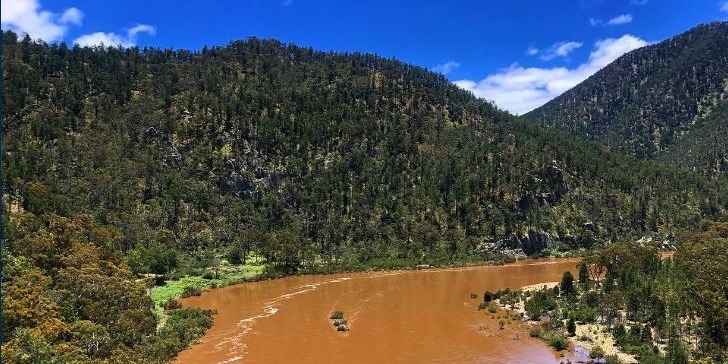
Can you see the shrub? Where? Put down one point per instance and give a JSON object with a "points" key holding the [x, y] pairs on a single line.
{"points": [[556, 340], [482, 306], [492, 308], [612, 359], [596, 352], [173, 276], [342, 327], [535, 332], [502, 292], [235, 255], [190, 291], [473, 295], [160, 280], [337, 315], [154, 259], [208, 275], [591, 299], [584, 313], [186, 325], [340, 322], [171, 304], [540, 302]]}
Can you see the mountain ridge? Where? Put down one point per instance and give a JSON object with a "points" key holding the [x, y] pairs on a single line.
{"points": [[646, 99]]}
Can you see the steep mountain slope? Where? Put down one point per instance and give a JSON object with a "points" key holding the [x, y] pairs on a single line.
{"points": [[705, 147], [649, 98]]}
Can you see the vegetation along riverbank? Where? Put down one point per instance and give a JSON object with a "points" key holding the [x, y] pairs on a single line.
{"points": [[625, 304]]}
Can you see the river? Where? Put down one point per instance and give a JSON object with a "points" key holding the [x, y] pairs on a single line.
{"points": [[423, 316]]}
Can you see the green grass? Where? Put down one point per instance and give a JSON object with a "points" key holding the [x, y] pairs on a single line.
{"points": [[228, 274]]}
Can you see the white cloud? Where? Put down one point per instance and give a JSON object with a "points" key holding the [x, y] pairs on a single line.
{"points": [[99, 38], [113, 39], [519, 90], [594, 22], [26, 16], [141, 28], [72, 16], [724, 7], [638, 2], [446, 67], [620, 19], [617, 20], [532, 51], [560, 49]]}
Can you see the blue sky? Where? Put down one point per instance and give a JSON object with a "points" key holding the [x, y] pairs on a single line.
{"points": [[519, 54]]}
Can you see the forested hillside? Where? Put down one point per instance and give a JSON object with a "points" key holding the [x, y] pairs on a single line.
{"points": [[651, 100], [345, 155], [705, 147], [121, 162]]}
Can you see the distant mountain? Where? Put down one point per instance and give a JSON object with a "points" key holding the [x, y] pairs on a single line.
{"points": [[650, 101]]}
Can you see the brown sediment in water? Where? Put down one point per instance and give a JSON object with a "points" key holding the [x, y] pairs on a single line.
{"points": [[424, 316]]}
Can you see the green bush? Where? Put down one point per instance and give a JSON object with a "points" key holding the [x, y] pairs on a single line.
{"points": [[591, 299], [612, 359], [535, 332], [337, 315], [187, 324], [584, 313], [556, 340], [154, 259], [190, 291], [171, 304], [235, 254], [596, 352], [540, 302]]}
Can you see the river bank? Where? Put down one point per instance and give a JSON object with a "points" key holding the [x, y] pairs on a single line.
{"points": [[229, 274]]}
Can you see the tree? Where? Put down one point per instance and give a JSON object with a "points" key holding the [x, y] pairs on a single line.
{"points": [[703, 260], [583, 274], [567, 284], [26, 304], [571, 327], [286, 254], [540, 302]]}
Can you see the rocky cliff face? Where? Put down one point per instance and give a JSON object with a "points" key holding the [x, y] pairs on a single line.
{"points": [[530, 243]]}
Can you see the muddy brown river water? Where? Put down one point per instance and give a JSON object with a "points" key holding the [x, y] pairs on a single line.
{"points": [[424, 316]]}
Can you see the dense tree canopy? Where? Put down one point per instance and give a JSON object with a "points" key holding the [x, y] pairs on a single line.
{"points": [[294, 154], [664, 101]]}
